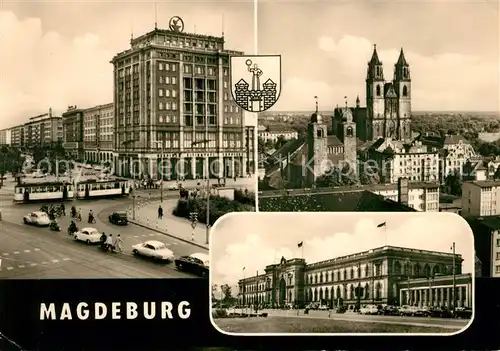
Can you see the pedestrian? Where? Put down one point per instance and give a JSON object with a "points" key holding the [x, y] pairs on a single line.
{"points": [[63, 210], [109, 242], [118, 243], [160, 212]]}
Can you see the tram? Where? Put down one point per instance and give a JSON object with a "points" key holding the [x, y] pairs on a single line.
{"points": [[64, 190]]}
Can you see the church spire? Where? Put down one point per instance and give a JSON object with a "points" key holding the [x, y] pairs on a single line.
{"points": [[402, 59], [401, 68], [375, 67], [358, 102]]}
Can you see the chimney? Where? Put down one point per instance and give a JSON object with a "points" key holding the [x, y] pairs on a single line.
{"points": [[403, 190], [50, 111]]}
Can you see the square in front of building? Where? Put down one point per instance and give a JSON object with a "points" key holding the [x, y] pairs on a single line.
{"points": [[385, 274]]}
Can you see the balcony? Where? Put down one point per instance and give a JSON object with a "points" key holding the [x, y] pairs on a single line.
{"points": [[71, 145]]}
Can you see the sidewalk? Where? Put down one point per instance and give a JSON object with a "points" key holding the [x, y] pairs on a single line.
{"points": [[146, 215]]}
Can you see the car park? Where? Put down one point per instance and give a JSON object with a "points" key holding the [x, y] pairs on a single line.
{"points": [[197, 263], [368, 309], [407, 310], [389, 310], [153, 249], [88, 235], [37, 218], [424, 311]]}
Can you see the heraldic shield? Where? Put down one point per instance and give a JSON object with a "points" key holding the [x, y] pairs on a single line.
{"points": [[256, 81]]}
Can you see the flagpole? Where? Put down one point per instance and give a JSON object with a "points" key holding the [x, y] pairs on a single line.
{"points": [[454, 283], [257, 297]]}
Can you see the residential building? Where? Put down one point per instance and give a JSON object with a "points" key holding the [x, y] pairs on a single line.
{"points": [[384, 275], [6, 136], [274, 132], [173, 102], [17, 136], [44, 129], [98, 131], [73, 132], [481, 198], [486, 231]]}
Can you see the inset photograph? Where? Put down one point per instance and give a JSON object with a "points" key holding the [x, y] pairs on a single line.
{"points": [[340, 273]]}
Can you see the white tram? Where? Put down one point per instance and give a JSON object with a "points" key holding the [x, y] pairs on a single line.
{"points": [[88, 189]]}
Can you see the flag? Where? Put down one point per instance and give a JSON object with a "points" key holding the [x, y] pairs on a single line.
{"points": [[381, 225], [316, 97], [243, 269], [300, 244]]}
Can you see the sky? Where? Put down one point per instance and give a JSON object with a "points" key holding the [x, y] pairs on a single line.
{"points": [[254, 240], [56, 54], [452, 49]]}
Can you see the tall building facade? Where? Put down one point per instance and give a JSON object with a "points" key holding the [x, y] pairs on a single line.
{"points": [[6, 136], [98, 131], [73, 132], [173, 103], [385, 275], [42, 130], [481, 198], [17, 136], [251, 149]]}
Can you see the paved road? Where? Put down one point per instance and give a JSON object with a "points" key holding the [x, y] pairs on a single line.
{"points": [[401, 320], [27, 252]]}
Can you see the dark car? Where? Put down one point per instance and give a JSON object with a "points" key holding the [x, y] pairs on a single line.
{"points": [[197, 263], [389, 310], [423, 311], [440, 312], [341, 309], [463, 313], [119, 218]]}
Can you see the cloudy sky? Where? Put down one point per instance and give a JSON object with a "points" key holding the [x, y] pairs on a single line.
{"points": [[57, 53], [254, 240], [452, 49]]}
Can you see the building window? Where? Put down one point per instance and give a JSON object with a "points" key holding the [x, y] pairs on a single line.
{"points": [[174, 93], [225, 108], [210, 71], [167, 80], [225, 72], [167, 93], [498, 256], [160, 106], [160, 79], [498, 242], [167, 67], [225, 84], [160, 92], [225, 96], [160, 66], [174, 80], [497, 269], [174, 67]]}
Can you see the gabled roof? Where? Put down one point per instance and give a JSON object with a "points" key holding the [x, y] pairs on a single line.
{"points": [[389, 91], [455, 139]]}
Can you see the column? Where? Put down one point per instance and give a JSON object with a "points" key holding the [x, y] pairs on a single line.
{"points": [[244, 169], [206, 167], [232, 170], [193, 166], [460, 290], [467, 295], [441, 298], [220, 165], [449, 298], [430, 297], [420, 297], [181, 167]]}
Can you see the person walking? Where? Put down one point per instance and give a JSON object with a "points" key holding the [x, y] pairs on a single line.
{"points": [[109, 242], [160, 212], [118, 244]]}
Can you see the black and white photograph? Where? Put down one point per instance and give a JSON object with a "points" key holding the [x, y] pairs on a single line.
{"points": [[339, 273], [378, 92], [121, 144]]}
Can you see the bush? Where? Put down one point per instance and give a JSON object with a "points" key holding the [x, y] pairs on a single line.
{"points": [[245, 197], [219, 313], [219, 206]]}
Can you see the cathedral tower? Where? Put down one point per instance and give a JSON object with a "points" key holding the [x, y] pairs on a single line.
{"points": [[317, 150], [402, 84], [375, 102], [348, 138]]}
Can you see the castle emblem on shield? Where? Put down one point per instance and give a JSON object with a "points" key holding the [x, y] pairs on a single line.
{"points": [[256, 81]]}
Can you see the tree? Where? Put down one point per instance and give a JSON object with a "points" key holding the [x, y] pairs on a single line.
{"points": [[497, 173], [280, 141], [215, 288], [453, 184], [4, 151], [226, 292], [369, 176]]}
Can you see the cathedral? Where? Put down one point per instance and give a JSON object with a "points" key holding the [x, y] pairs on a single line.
{"points": [[388, 104], [387, 117]]}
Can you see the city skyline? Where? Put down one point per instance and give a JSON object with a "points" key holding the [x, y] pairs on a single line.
{"points": [[259, 241], [64, 59], [327, 57]]}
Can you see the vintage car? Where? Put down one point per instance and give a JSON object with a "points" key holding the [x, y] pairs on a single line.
{"points": [[369, 309], [118, 218], [462, 313], [37, 218], [197, 263], [88, 235], [153, 249]]}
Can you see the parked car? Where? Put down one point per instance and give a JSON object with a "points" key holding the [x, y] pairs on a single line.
{"points": [[463, 313], [389, 310], [407, 310], [368, 309], [341, 309], [424, 311], [118, 218], [197, 263], [88, 235], [440, 312], [323, 308], [37, 218], [153, 249]]}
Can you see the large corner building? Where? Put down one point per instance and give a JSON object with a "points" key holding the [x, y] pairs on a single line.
{"points": [[172, 100]]}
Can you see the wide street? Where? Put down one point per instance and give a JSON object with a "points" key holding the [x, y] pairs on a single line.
{"points": [[30, 253]]}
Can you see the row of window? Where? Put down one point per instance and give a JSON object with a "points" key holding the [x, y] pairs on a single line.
{"points": [[167, 106], [188, 69], [167, 93], [167, 80], [108, 137], [167, 66]]}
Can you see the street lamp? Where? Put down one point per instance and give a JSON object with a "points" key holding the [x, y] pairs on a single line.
{"points": [[407, 272], [161, 162], [207, 222], [430, 299]]}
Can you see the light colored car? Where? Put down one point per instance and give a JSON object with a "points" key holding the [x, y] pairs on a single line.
{"points": [[88, 235], [323, 308], [154, 249], [407, 310], [37, 218], [175, 186], [369, 309]]}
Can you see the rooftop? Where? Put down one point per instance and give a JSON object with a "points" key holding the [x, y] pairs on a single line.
{"points": [[492, 222], [485, 183]]}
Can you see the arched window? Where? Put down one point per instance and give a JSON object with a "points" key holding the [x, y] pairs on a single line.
{"points": [[378, 291], [367, 291], [319, 133], [326, 294], [337, 294], [427, 270], [417, 270], [352, 273], [321, 294], [351, 292], [350, 131], [405, 91], [435, 270], [315, 295], [378, 90]]}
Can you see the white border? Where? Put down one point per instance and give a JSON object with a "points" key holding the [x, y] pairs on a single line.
{"points": [[473, 283]]}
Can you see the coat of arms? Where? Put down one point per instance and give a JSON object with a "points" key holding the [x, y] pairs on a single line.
{"points": [[256, 81]]}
